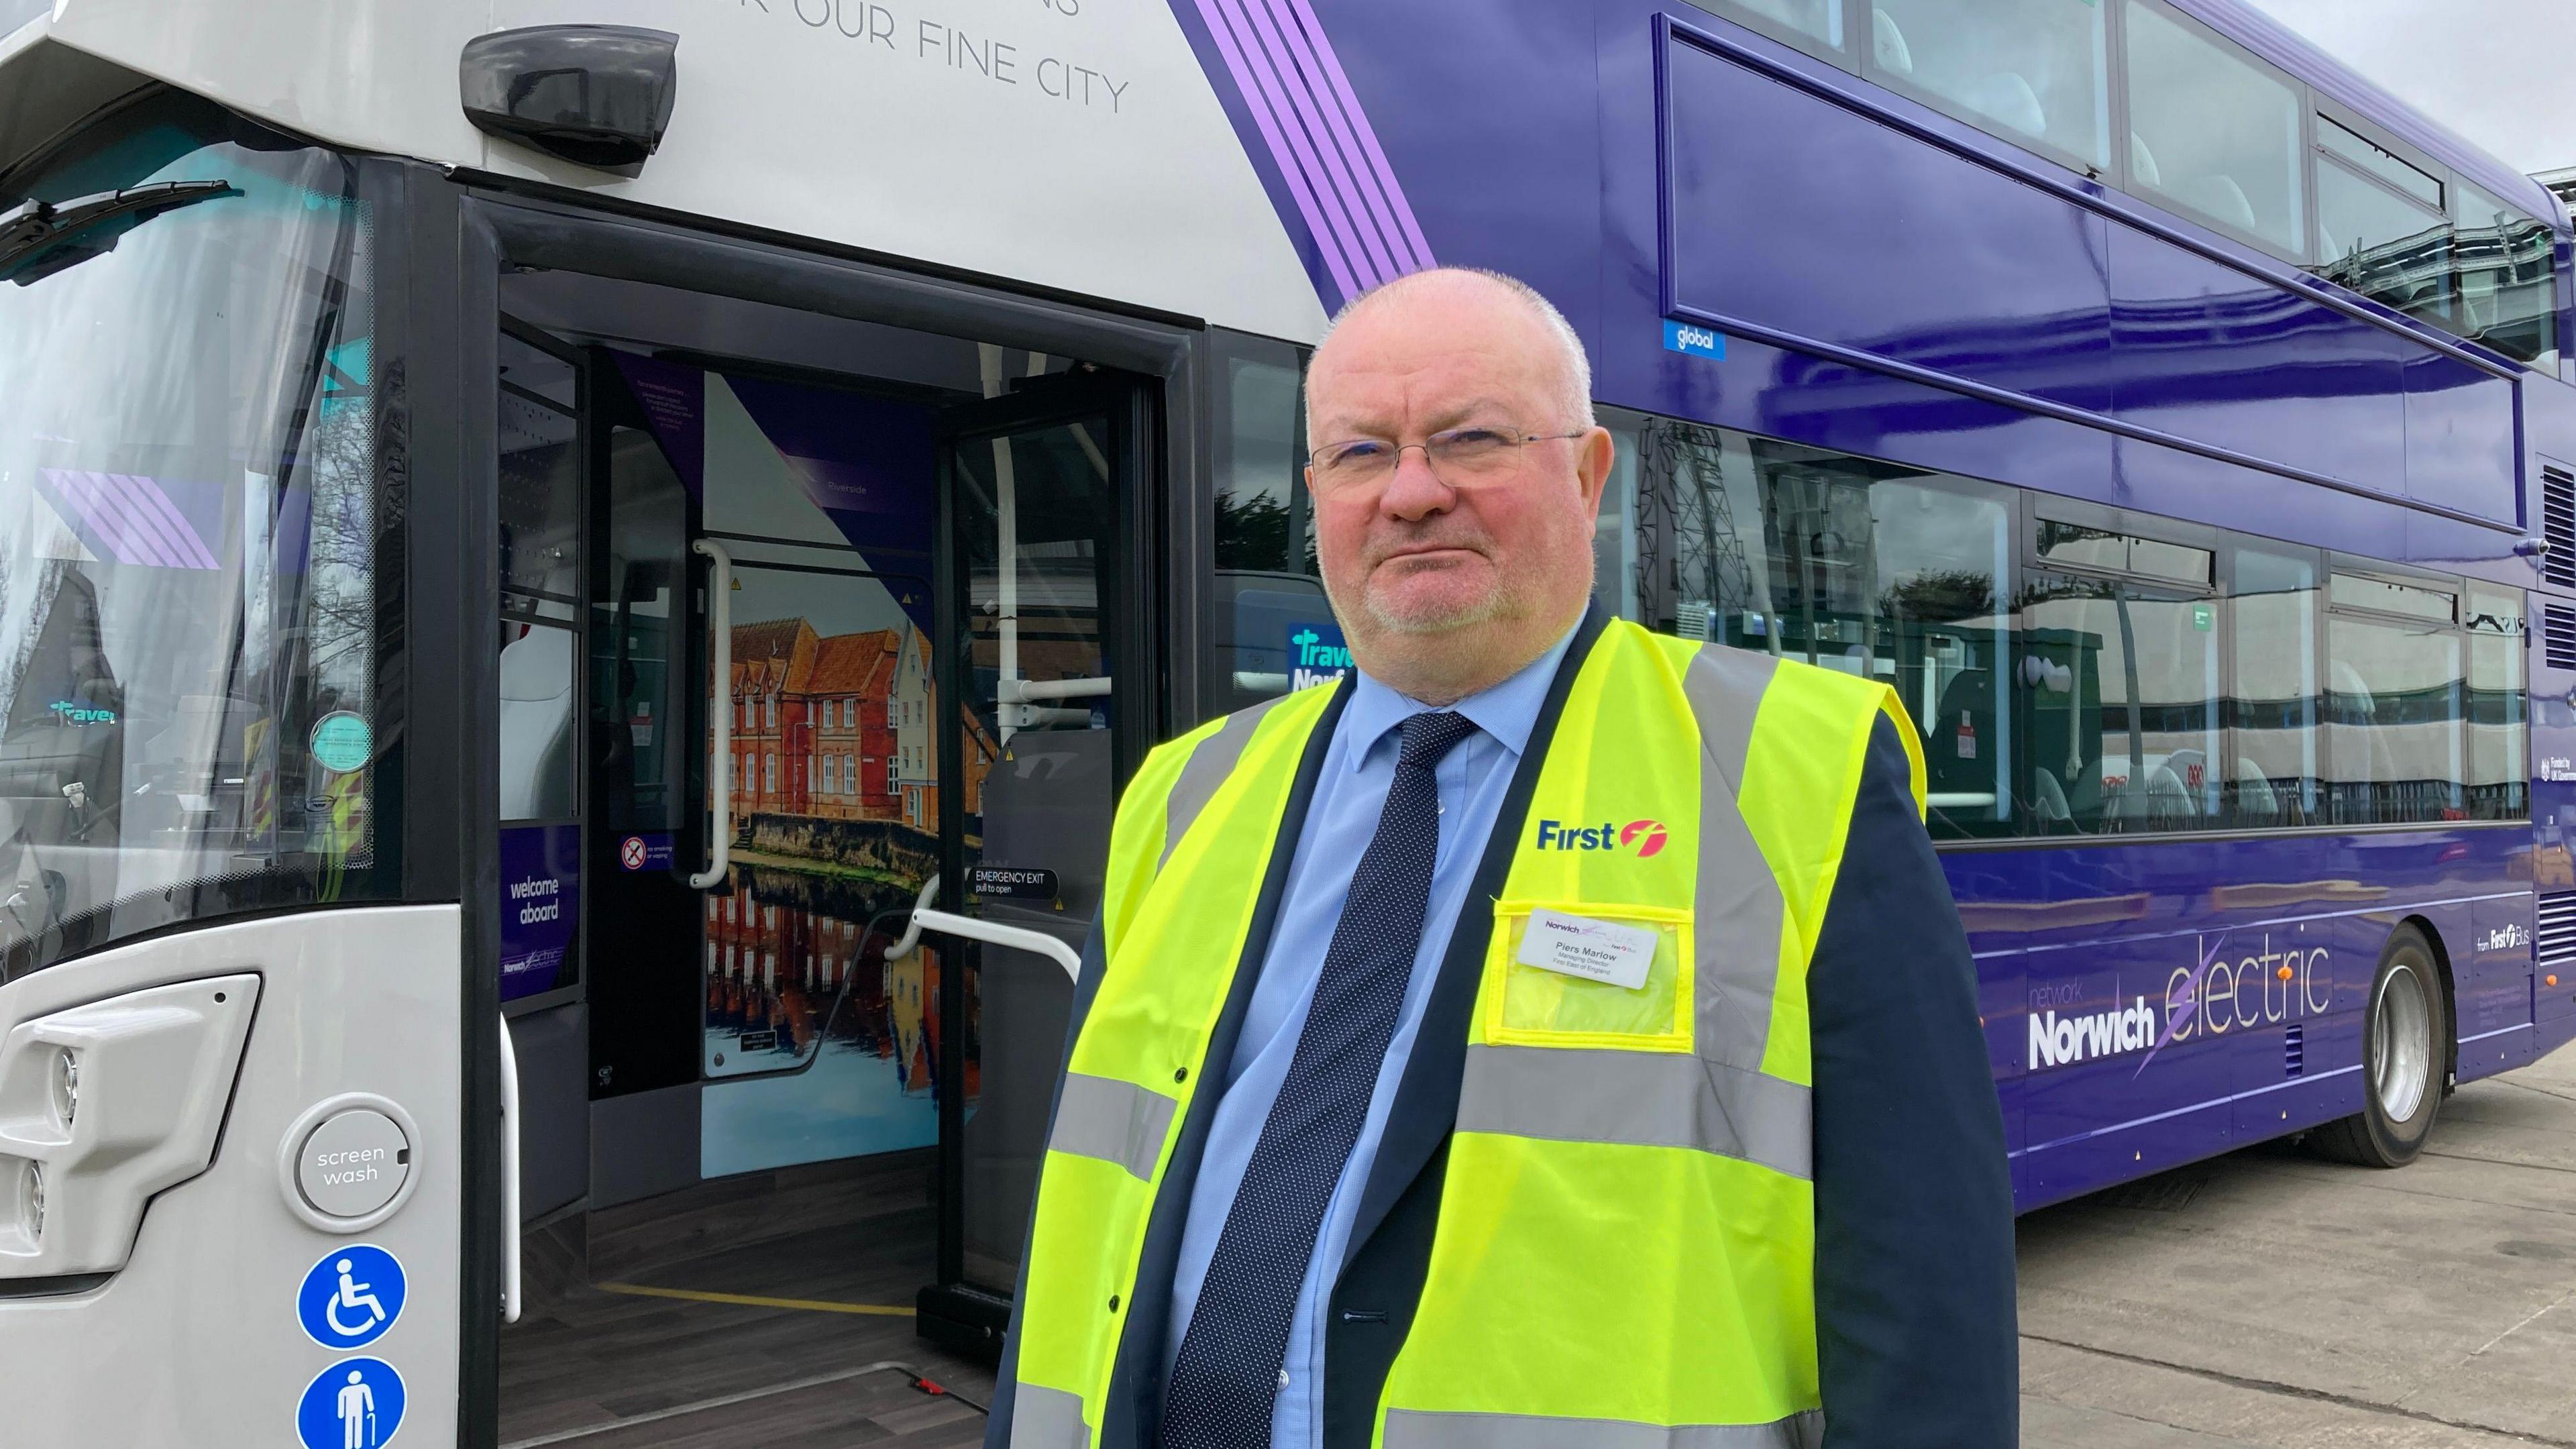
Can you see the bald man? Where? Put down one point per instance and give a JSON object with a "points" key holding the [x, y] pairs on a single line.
{"points": [[1555, 1036]]}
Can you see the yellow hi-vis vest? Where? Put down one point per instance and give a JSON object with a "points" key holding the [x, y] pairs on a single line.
{"points": [[1624, 1253]]}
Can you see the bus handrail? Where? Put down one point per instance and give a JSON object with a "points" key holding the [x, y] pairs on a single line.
{"points": [[510, 1265], [720, 621], [1018, 938]]}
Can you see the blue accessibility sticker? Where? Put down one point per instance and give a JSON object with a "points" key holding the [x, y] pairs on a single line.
{"points": [[351, 1297], [1693, 340], [356, 1403]]}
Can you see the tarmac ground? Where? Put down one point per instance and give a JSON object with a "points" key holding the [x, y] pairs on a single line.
{"points": [[2272, 1298]]}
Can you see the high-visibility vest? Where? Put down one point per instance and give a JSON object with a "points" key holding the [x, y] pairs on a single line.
{"points": [[1624, 1253]]}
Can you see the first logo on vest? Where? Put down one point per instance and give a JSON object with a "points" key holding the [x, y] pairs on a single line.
{"points": [[1646, 835]]}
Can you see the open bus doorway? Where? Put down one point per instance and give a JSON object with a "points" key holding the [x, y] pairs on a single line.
{"points": [[798, 614]]}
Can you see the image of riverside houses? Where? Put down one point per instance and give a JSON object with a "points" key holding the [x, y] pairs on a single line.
{"points": [[836, 810]]}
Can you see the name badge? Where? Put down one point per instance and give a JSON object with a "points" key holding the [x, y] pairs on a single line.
{"points": [[1594, 950]]}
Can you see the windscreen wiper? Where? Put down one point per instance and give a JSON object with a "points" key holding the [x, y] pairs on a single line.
{"points": [[40, 238]]}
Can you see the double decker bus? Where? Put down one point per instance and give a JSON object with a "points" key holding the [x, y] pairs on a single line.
{"points": [[577, 585]]}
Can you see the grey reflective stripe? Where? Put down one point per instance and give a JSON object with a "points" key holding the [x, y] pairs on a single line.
{"points": [[1044, 1418], [1210, 761], [1413, 1429], [1736, 911], [1647, 1099], [1112, 1120]]}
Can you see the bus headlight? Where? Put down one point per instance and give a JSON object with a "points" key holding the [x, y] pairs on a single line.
{"points": [[66, 1084]]}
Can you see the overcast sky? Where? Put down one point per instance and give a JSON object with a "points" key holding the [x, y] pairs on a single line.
{"points": [[2496, 71]]}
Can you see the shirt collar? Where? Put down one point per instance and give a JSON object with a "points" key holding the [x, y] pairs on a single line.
{"points": [[1507, 711]]}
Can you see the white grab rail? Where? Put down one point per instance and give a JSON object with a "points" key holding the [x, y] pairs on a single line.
{"points": [[509, 1176], [720, 620], [1018, 938]]}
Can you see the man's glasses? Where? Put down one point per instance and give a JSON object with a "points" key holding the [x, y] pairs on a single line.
{"points": [[1479, 455]]}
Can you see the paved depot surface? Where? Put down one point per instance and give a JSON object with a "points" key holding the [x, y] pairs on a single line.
{"points": [[2270, 1298], [2264, 1298]]}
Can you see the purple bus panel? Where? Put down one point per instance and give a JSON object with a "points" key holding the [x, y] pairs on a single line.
{"points": [[1895, 283], [2150, 1004]]}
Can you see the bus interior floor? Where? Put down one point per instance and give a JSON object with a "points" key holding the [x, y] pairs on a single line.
{"points": [[744, 1310]]}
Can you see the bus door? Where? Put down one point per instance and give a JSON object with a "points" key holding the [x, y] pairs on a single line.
{"points": [[1047, 650]]}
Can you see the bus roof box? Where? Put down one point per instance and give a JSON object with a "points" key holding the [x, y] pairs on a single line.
{"points": [[597, 95]]}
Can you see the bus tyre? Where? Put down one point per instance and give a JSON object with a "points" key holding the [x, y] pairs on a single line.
{"points": [[2405, 1055]]}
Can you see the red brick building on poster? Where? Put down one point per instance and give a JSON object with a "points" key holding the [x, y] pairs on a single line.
{"points": [[847, 764], [838, 727]]}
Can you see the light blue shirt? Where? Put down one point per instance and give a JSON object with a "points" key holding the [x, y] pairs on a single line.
{"points": [[1350, 792]]}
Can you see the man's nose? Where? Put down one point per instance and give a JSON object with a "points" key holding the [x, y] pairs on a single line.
{"points": [[1415, 491]]}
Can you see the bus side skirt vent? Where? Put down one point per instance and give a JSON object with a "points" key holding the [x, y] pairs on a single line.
{"points": [[2558, 525], [2554, 944], [2558, 635], [2295, 1050]]}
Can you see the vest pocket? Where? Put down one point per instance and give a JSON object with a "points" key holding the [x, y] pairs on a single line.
{"points": [[1534, 1005]]}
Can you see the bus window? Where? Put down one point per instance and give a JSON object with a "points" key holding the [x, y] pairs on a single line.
{"points": [[188, 534], [2120, 705], [2508, 293], [2032, 71], [1274, 628], [1891, 573], [2271, 709], [540, 526], [2381, 230], [2499, 754], [2212, 131], [1819, 20], [2394, 735]]}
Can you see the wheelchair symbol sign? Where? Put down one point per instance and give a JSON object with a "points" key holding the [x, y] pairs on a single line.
{"points": [[351, 1297]]}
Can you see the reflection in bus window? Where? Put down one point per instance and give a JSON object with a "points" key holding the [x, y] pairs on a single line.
{"points": [[2129, 686], [1274, 628], [2508, 294], [2499, 760], [2377, 242], [2395, 742], [2271, 714], [188, 515], [2030, 70], [1883, 571], [2122, 705]]}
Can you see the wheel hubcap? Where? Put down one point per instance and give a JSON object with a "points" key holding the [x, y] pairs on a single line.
{"points": [[2401, 1050]]}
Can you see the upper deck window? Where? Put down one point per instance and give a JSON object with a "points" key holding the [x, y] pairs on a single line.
{"points": [[2212, 131], [2368, 156], [2508, 292], [1817, 20], [2034, 71]]}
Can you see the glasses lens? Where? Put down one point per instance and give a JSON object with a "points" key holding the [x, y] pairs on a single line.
{"points": [[1359, 462], [1472, 455]]}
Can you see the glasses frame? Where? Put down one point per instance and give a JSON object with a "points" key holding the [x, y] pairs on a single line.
{"points": [[1320, 461]]}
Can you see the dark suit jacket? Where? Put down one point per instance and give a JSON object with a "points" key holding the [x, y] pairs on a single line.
{"points": [[1914, 1238]]}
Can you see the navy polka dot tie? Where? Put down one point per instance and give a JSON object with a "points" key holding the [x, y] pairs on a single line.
{"points": [[1227, 1375]]}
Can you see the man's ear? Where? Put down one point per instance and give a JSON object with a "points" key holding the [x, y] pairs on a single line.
{"points": [[1597, 452]]}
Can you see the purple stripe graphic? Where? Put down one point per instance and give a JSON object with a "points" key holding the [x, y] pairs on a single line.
{"points": [[1330, 152], [128, 518], [153, 509], [100, 523], [1256, 91], [1300, 99], [1395, 215]]}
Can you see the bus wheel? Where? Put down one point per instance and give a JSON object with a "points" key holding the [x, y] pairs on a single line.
{"points": [[2404, 1047]]}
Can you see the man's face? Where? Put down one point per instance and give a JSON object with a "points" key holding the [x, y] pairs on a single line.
{"points": [[1413, 555]]}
